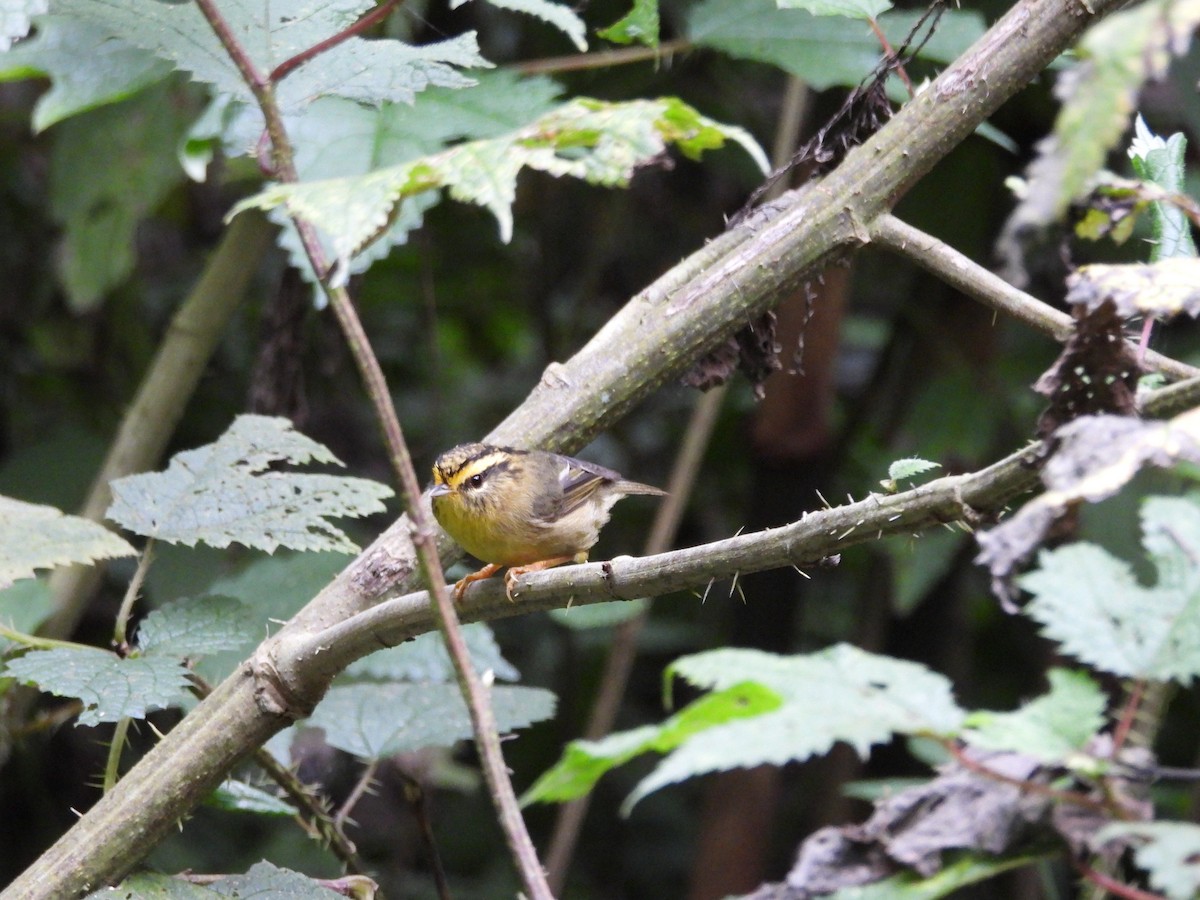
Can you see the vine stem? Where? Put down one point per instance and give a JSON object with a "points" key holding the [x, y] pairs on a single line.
{"points": [[423, 535], [1111, 885]]}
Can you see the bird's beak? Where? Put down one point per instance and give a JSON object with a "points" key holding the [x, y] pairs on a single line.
{"points": [[440, 490]]}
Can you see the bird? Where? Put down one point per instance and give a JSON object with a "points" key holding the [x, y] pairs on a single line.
{"points": [[528, 510]]}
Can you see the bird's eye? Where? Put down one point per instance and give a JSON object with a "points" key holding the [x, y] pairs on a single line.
{"points": [[476, 480]]}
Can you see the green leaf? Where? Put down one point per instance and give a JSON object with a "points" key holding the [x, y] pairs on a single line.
{"points": [[910, 467], [954, 877], [1093, 605], [561, 17], [1162, 163], [825, 51], [602, 143], [86, 68], [277, 587], [839, 694], [920, 562], [23, 607], [15, 17], [854, 9], [1099, 93], [768, 709], [371, 137], [1168, 851], [237, 796], [370, 71], [191, 628], [110, 169], [584, 762], [110, 688], [41, 537], [640, 24], [1051, 727], [424, 658], [376, 720], [153, 886], [228, 491], [598, 615]]}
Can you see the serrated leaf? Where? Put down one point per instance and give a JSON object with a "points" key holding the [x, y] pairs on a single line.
{"points": [[153, 886], [110, 169], [1119, 54], [1052, 727], [561, 17], [1093, 605], [110, 688], [424, 658], [376, 720], [584, 762], [23, 607], [602, 143], [840, 694], [825, 51], [640, 24], [86, 68], [40, 537], [191, 628], [854, 9], [237, 796], [277, 587], [271, 33], [264, 881], [910, 467], [1168, 851], [15, 18], [1161, 162], [224, 492]]}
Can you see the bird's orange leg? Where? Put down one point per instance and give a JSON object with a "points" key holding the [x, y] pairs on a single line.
{"points": [[461, 585], [511, 576]]}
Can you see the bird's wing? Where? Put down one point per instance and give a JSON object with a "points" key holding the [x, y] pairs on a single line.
{"points": [[579, 480]]}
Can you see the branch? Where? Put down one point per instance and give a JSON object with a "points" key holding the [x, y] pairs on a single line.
{"points": [[651, 341], [991, 290]]}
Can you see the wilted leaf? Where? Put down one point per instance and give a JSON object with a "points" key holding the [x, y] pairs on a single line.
{"points": [[1095, 458], [1163, 289], [41, 537], [110, 687], [376, 720], [227, 491]]}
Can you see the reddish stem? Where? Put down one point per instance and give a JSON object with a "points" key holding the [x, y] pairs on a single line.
{"points": [[1112, 885], [891, 54], [374, 17]]}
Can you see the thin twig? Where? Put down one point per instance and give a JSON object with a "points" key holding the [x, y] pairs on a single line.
{"points": [[580, 61], [375, 16], [121, 626], [361, 787], [1111, 885], [962, 273], [482, 717]]}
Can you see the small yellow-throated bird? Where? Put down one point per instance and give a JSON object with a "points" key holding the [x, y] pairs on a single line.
{"points": [[525, 509]]}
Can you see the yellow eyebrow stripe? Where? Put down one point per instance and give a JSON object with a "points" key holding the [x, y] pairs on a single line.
{"points": [[475, 466]]}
